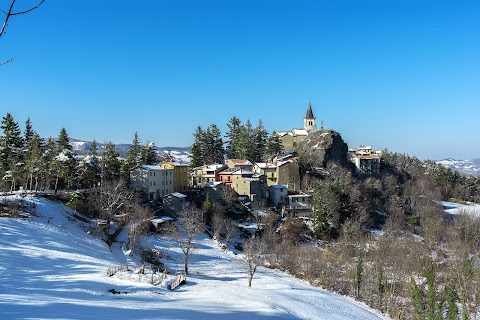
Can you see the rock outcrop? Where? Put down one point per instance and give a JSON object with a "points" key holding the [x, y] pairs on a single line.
{"points": [[323, 146]]}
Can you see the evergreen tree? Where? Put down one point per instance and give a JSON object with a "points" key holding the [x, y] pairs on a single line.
{"points": [[49, 153], [234, 127], [196, 152], [63, 163], [11, 152], [110, 164], [249, 142], [274, 144], [134, 157], [212, 144], [148, 154], [33, 160], [260, 136], [88, 169], [29, 132], [63, 140]]}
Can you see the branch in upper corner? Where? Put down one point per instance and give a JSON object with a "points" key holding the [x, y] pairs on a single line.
{"points": [[31, 9], [5, 62]]}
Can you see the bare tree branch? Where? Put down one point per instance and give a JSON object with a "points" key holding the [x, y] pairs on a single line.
{"points": [[9, 14], [26, 11]]}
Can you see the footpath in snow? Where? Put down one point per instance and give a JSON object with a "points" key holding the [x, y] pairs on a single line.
{"points": [[50, 268]]}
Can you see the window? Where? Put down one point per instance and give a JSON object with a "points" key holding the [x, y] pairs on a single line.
{"points": [[163, 183], [170, 182], [154, 183], [150, 183], [154, 174]]}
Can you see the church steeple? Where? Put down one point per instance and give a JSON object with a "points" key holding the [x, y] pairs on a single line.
{"points": [[309, 120]]}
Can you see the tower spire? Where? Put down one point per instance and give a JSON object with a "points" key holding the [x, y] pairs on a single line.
{"points": [[309, 120]]}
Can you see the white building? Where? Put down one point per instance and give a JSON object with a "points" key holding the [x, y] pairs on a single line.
{"points": [[278, 195], [155, 181]]}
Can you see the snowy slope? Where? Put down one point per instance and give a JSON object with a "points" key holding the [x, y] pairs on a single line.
{"points": [[51, 269], [456, 208], [467, 167]]}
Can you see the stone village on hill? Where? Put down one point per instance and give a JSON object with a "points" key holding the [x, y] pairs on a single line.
{"points": [[275, 183]]}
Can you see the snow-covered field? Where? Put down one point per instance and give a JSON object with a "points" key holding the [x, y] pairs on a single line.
{"points": [[50, 268], [456, 208]]}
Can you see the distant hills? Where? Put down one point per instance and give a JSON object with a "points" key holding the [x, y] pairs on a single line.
{"points": [[466, 167], [179, 154]]}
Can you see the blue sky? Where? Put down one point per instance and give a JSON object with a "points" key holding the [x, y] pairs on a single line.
{"points": [[402, 75]]}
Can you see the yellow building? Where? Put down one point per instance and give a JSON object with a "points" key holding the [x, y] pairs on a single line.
{"points": [[180, 175], [281, 172]]}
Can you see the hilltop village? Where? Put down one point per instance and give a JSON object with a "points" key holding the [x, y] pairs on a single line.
{"points": [[274, 183]]}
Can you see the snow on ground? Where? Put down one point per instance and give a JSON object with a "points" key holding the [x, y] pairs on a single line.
{"points": [[51, 269], [456, 208]]}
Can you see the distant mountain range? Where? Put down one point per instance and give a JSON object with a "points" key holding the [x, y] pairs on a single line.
{"points": [[179, 154], [466, 167]]}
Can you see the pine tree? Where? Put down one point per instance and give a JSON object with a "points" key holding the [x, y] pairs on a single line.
{"points": [[33, 161], [48, 155], [88, 169], [63, 140], [148, 154], [196, 152], [63, 163], [232, 135], [134, 157], [260, 136], [110, 164], [29, 132], [11, 152], [212, 144], [274, 144]]}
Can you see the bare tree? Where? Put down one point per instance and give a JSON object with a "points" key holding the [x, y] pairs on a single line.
{"points": [[184, 231], [137, 224], [218, 220], [253, 249], [229, 195], [230, 229], [10, 13]]}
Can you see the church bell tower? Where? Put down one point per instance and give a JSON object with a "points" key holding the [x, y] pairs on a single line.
{"points": [[309, 120]]}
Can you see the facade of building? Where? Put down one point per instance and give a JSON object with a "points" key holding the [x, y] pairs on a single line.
{"points": [[252, 185], [174, 203], [278, 195], [281, 172], [205, 174], [291, 139], [154, 181], [298, 204], [365, 159], [180, 175]]}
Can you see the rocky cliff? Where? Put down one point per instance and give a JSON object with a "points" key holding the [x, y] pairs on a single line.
{"points": [[323, 146]]}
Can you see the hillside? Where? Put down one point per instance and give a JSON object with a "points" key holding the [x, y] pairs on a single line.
{"points": [[466, 167], [51, 268], [181, 154]]}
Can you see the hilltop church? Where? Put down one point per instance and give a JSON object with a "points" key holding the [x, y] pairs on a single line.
{"points": [[291, 139]]}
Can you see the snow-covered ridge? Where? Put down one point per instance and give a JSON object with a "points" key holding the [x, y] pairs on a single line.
{"points": [[467, 167], [52, 269], [179, 154]]}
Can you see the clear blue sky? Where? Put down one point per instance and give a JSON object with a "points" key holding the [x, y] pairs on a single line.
{"points": [[402, 75]]}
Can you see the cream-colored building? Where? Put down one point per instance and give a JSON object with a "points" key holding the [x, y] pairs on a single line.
{"points": [[154, 181]]}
